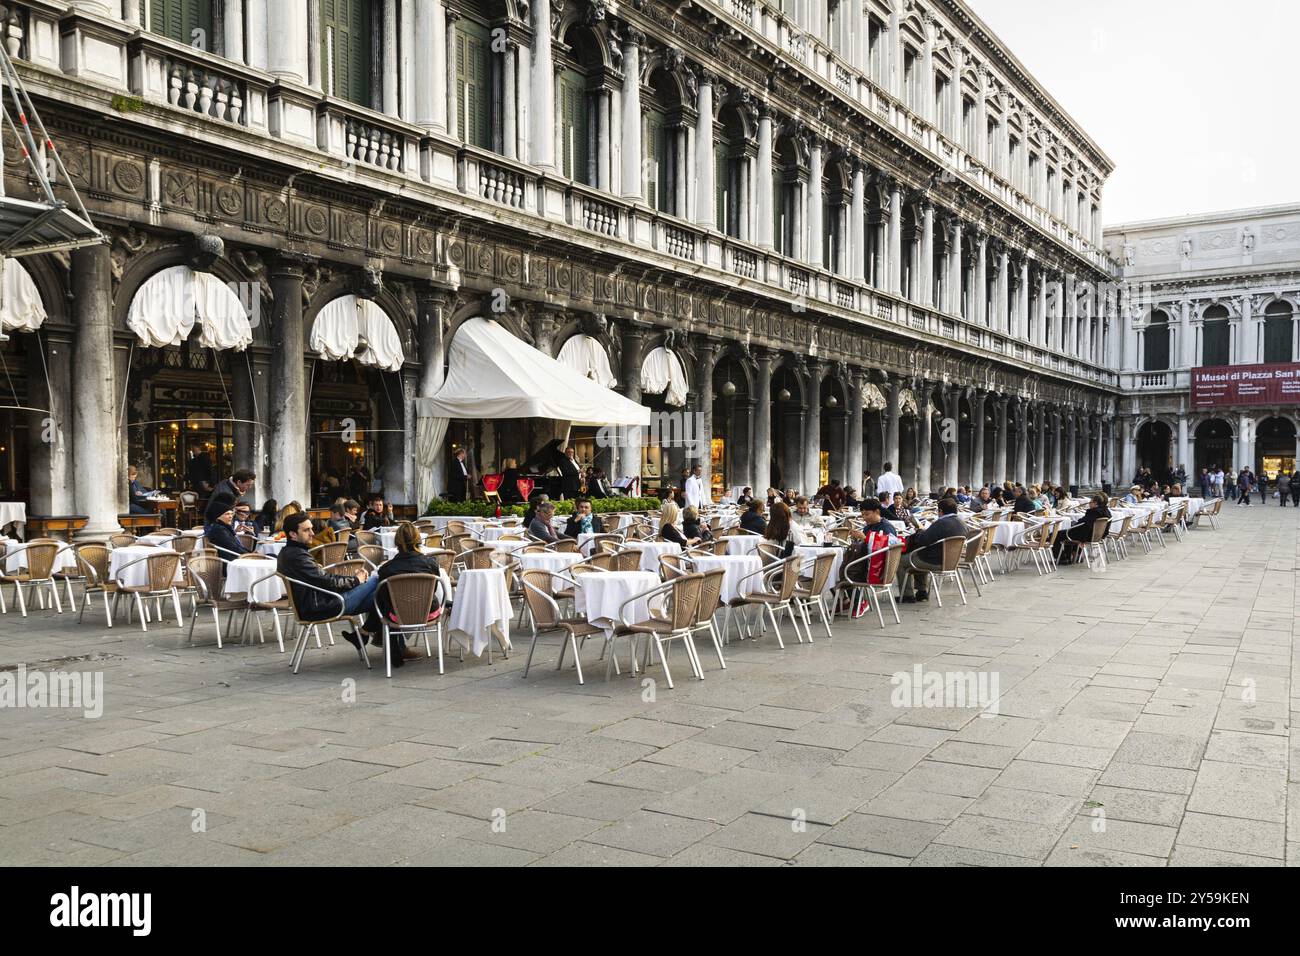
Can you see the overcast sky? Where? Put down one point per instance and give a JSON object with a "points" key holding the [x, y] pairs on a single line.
{"points": [[1194, 101]]}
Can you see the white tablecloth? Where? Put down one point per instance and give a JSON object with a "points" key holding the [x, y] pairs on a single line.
{"points": [[270, 548], [138, 574], [16, 561], [13, 511], [481, 609], [1193, 504], [241, 573], [735, 583], [1009, 533], [810, 554], [553, 561], [651, 550], [599, 596], [743, 544]]}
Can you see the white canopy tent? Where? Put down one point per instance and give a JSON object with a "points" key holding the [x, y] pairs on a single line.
{"points": [[164, 310], [21, 308], [492, 374], [345, 323]]}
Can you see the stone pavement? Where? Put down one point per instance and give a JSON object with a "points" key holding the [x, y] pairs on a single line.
{"points": [[1143, 720]]}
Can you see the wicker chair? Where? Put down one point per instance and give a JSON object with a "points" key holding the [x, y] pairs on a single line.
{"points": [[247, 541], [1210, 512], [331, 553], [93, 560], [627, 560], [41, 556], [257, 607], [373, 554], [710, 602], [893, 558], [189, 543], [677, 623], [779, 580], [768, 552], [167, 532], [1095, 549], [540, 593], [412, 599], [477, 559], [969, 561], [456, 527], [606, 542], [672, 566], [122, 540], [809, 592], [162, 571], [1117, 534], [954, 548], [366, 537], [566, 546], [306, 627], [206, 573]]}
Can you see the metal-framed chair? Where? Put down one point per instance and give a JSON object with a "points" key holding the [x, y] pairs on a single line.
{"points": [[93, 560], [544, 614], [771, 595], [953, 549], [709, 603], [373, 554], [41, 560], [366, 537], [121, 540], [809, 592], [257, 607], [207, 574], [412, 600], [889, 574], [677, 623], [329, 553], [627, 560], [162, 571], [1210, 512], [312, 627]]}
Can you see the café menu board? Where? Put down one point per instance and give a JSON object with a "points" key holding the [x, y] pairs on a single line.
{"points": [[1217, 385]]}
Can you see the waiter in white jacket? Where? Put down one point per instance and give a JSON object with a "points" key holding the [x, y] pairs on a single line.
{"points": [[694, 490], [889, 481]]}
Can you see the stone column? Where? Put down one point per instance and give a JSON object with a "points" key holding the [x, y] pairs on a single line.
{"points": [[633, 181], [49, 432], [1183, 452], [955, 269], [1042, 337], [286, 51], [853, 469], [1057, 472], [1128, 466], [763, 196], [1040, 447], [542, 142], [510, 111], [890, 454], [1000, 440], [1071, 450], [449, 83], [980, 295], [976, 472], [925, 268], [232, 29], [706, 351], [431, 306], [95, 394], [705, 200], [814, 256], [1186, 351], [391, 72], [762, 430], [627, 460], [857, 225], [1022, 445], [429, 67], [895, 264], [924, 426], [952, 426], [287, 416], [1021, 324], [812, 430]]}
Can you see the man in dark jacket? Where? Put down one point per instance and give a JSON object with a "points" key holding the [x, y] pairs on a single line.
{"points": [[295, 562], [582, 521], [217, 528], [924, 553], [237, 485], [458, 477], [377, 514], [752, 519]]}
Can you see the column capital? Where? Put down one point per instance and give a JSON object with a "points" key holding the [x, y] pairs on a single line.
{"points": [[633, 37], [291, 265]]}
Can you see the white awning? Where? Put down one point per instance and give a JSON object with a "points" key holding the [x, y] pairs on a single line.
{"points": [[347, 323], [872, 397], [586, 356], [165, 308], [662, 372], [21, 308], [492, 374]]}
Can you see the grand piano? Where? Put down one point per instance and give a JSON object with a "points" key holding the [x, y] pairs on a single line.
{"points": [[547, 467]]}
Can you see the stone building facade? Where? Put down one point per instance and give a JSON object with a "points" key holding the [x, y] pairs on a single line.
{"points": [[1212, 290], [862, 229]]}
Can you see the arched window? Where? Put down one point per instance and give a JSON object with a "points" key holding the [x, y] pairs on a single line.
{"points": [[1214, 336], [180, 19], [1278, 332], [474, 82], [731, 172], [786, 186], [579, 88], [660, 143], [345, 38], [1155, 345]]}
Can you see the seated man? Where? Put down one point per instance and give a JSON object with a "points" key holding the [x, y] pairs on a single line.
{"points": [[802, 515], [378, 514], [582, 521], [874, 520], [752, 519], [540, 527], [887, 509], [243, 523], [295, 563], [924, 553]]}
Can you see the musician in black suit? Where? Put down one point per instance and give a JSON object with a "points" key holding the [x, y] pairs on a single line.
{"points": [[598, 485], [458, 479], [570, 474], [198, 470]]}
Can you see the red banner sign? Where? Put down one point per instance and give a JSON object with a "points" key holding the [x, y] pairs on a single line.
{"points": [[1214, 386]]}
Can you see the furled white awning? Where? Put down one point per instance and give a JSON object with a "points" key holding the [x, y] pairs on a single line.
{"points": [[165, 308], [348, 323], [586, 356], [907, 402], [21, 308], [662, 372], [492, 374], [872, 397]]}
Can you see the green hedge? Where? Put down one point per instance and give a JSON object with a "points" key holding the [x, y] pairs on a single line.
{"points": [[484, 509]]}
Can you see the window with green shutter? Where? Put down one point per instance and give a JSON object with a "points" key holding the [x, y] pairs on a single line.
{"points": [[345, 38], [722, 187], [656, 153], [179, 19], [574, 126], [474, 83]]}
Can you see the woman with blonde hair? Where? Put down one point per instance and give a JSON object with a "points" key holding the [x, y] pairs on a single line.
{"points": [[668, 529], [291, 508]]}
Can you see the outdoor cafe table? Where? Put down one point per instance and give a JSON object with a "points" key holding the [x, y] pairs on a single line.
{"points": [[810, 552], [651, 550], [599, 596], [270, 548], [242, 572], [738, 544], [554, 561], [15, 560], [138, 574], [1193, 504], [736, 582], [15, 513], [481, 609]]}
